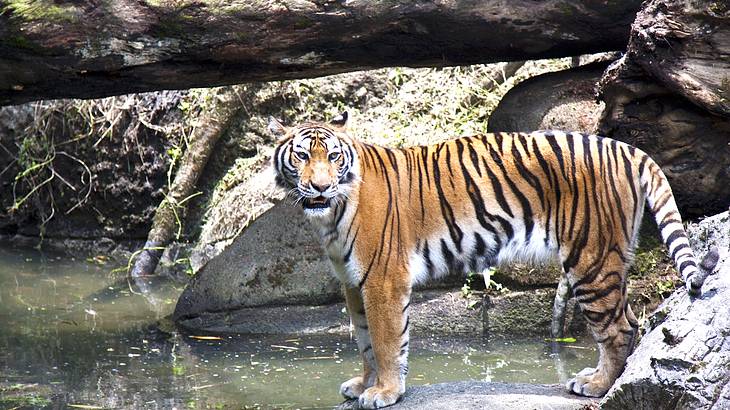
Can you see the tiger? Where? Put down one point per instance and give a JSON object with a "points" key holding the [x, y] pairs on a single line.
{"points": [[390, 218]]}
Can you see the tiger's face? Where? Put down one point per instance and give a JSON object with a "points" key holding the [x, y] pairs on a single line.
{"points": [[316, 162]]}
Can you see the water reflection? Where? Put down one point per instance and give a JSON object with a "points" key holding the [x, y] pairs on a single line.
{"points": [[87, 338]]}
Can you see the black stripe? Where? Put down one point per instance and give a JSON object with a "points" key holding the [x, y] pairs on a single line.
{"points": [[352, 244], [558, 152], [446, 211], [531, 179], [481, 246], [405, 328], [499, 192], [677, 249], [612, 157], [662, 201], [679, 233], [524, 202], [421, 188], [427, 257], [684, 265], [474, 192], [474, 157]]}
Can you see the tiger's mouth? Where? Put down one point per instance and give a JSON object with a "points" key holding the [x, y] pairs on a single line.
{"points": [[319, 202]]}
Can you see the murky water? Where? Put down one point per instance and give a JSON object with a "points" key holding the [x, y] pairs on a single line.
{"points": [[70, 334]]}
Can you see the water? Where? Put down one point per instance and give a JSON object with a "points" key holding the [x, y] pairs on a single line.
{"points": [[73, 335]]}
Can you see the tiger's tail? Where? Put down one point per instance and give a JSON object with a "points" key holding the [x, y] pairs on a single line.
{"points": [[661, 203]]}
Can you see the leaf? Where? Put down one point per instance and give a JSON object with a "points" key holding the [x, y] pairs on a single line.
{"points": [[561, 340], [206, 337]]}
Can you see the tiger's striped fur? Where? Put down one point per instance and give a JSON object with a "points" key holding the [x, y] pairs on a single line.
{"points": [[390, 218]]}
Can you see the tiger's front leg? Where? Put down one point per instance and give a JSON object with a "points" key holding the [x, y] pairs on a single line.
{"points": [[353, 388], [386, 308]]}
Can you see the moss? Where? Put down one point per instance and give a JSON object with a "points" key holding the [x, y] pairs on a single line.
{"points": [[169, 27], [719, 8], [13, 396], [24, 402], [18, 41], [41, 10]]}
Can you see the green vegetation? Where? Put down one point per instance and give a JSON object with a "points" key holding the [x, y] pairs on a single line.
{"points": [[41, 10], [20, 395]]}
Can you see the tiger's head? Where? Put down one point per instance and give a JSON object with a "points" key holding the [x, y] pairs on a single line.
{"points": [[316, 162]]}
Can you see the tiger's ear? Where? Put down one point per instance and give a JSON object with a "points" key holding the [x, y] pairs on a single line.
{"points": [[276, 128], [340, 120]]}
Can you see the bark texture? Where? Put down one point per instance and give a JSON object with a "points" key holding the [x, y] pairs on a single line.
{"points": [[54, 49], [682, 361], [669, 96]]}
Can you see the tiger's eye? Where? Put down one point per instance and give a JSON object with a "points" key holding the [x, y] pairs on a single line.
{"points": [[302, 155], [334, 156]]}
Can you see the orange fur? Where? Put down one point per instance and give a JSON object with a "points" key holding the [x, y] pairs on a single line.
{"points": [[397, 216]]}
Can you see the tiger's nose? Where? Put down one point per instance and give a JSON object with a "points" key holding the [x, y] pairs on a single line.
{"points": [[320, 188]]}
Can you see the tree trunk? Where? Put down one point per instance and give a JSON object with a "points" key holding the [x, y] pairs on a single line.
{"points": [[670, 96], [171, 211], [682, 361], [92, 49]]}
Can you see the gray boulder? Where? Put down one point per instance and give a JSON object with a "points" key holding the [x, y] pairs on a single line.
{"points": [[483, 395], [276, 261], [560, 100], [683, 360]]}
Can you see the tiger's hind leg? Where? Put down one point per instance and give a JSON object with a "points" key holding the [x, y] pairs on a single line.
{"points": [[600, 289], [560, 305]]}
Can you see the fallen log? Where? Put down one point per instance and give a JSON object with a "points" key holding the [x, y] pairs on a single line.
{"points": [[92, 49], [670, 96], [684, 45]]}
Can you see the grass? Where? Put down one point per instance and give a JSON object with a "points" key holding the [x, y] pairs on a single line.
{"points": [[41, 10]]}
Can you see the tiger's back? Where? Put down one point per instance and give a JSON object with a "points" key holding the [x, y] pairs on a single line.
{"points": [[471, 203], [392, 217]]}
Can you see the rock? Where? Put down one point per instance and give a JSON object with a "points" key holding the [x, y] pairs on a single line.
{"points": [[276, 261], [481, 395], [560, 100], [682, 360]]}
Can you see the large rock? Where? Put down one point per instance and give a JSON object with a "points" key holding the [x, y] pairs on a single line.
{"points": [[483, 395], [683, 360], [278, 260], [559, 100]]}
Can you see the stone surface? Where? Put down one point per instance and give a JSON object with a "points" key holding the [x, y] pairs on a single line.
{"points": [[276, 261], [560, 100], [433, 312], [683, 359], [482, 395]]}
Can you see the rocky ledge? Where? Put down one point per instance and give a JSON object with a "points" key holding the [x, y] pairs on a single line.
{"points": [[483, 395]]}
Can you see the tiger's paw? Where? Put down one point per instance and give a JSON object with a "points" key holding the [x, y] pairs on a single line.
{"points": [[589, 382], [375, 398], [353, 388]]}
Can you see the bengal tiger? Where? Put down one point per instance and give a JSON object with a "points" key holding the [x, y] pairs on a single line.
{"points": [[391, 218]]}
